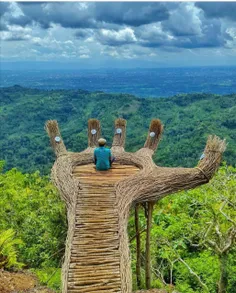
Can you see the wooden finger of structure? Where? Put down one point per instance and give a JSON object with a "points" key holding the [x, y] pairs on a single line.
{"points": [[94, 132]]}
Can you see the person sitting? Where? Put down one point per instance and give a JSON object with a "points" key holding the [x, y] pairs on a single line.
{"points": [[102, 156]]}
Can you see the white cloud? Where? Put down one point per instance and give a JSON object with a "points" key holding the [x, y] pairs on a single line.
{"points": [[69, 42], [16, 33], [84, 56], [185, 20], [128, 52], [231, 44], [116, 38], [153, 34]]}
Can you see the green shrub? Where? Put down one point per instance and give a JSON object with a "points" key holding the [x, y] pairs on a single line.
{"points": [[50, 277], [8, 250], [31, 206]]}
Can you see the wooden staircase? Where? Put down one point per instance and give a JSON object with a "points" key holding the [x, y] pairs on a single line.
{"points": [[95, 258]]}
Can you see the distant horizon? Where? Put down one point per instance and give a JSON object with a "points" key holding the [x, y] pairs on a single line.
{"points": [[143, 82], [5, 65]]}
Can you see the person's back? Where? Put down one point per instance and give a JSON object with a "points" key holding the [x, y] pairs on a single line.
{"points": [[102, 156]]}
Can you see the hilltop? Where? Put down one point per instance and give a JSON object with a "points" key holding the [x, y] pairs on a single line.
{"points": [[188, 120]]}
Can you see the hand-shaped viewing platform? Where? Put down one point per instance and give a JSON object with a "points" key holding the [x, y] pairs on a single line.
{"points": [[98, 202]]}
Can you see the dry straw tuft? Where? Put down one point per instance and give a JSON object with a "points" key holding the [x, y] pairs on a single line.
{"points": [[51, 127], [214, 143], [157, 128], [120, 122], [212, 156]]}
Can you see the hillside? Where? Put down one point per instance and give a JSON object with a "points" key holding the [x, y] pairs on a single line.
{"points": [[188, 120]]}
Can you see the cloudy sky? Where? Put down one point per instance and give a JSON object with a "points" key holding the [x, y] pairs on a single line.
{"points": [[119, 34]]}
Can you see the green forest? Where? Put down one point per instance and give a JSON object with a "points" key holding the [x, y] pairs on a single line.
{"points": [[193, 232], [188, 120], [192, 247]]}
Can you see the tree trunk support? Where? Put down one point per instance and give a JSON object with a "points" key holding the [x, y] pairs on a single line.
{"points": [[148, 245], [138, 247]]}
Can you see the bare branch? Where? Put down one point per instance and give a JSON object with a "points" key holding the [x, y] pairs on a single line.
{"points": [[217, 228], [139, 233], [231, 237], [226, 216], [208, 230], [187, 266], [208, 242], [194, 274], [213, 244], [157, 272], [204, 236]]}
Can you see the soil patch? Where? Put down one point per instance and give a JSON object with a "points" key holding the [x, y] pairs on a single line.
{"points": [[20, 282], [16, 282]]}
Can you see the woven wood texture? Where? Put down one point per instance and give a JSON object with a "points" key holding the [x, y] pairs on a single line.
{"points": [[95, 258]]}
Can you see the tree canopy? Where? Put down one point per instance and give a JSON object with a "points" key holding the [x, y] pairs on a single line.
{"points": [[188, 120]]}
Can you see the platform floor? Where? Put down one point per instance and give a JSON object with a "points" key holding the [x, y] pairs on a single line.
{"points": [[88, 173]]}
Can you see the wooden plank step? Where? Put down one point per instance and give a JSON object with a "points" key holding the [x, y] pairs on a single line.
{"points": [[89, 235], [98, 261]]}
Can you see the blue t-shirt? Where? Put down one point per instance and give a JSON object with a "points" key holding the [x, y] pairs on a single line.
{"points": [[102, 156]]}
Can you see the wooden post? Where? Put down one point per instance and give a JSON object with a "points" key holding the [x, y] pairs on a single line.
{"points": [[148, 246], [138, 247]]}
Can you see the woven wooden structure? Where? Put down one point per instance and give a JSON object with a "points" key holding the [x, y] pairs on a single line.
{"points": [[97, 250]]}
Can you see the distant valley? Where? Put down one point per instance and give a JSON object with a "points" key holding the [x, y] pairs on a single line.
{"points": [[188, 119], [150, 82]]}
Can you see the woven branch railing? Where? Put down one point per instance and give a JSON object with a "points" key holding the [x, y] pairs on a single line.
{"points": [[151, 183]]}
